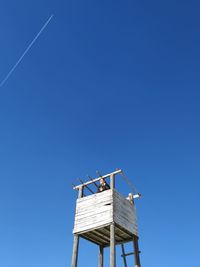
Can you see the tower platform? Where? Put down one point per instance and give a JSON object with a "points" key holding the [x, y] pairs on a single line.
{"points": [[96, 212]]}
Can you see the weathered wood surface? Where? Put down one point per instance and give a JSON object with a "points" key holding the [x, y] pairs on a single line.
{"points": [[101, 236], [101, 252], [98, 210], [124, 213], [93, 211], [112, 246]]}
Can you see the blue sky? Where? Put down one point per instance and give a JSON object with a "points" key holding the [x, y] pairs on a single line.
{"points": [[108, 84]]}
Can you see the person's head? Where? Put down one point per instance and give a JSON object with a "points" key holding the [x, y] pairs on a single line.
{"points": [[102, 181]]}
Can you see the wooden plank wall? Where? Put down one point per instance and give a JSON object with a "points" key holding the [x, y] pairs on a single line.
{"points": [[97, 210], [93, 211], [124, 213]]}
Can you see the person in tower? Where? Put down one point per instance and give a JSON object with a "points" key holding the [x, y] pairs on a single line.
{"points": [[103, 186]]}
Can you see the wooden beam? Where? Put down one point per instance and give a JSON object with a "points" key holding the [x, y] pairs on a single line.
{"points": [[122, 230], [86, 186], [93, 182], [112, 181], [128, 254], [106, 233], [136, 251], [97, 179], [76, 238], [101, 235], [80, 192], [96, 238], [75, 251], [112, 246], [100, 256], [89, 239]]}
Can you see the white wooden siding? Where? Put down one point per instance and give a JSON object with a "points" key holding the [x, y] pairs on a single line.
{"points": [[97, 210], [93, 211], [124, 213]]}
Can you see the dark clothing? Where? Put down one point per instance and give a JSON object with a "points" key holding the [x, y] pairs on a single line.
{"points": [[103, 187]]}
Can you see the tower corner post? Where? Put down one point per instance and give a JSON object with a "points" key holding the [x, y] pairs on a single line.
{"points": [[112, 229], [136, 252], [112, 181], [112, 246], [100, 256], [76, 238]]}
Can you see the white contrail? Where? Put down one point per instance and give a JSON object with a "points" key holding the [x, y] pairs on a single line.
{"points": [[25, 52]]}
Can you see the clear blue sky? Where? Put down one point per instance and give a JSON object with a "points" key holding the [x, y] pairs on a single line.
{"points": [[108, 84]]}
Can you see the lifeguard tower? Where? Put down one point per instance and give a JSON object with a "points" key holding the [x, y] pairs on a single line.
{"points": [[106, 219]]}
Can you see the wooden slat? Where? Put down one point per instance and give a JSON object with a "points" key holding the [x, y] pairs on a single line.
{"points": [[106, 233], [89, 238], [101, 236], [96, 238]]}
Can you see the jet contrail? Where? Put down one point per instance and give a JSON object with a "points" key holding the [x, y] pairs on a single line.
{"points": [[25, 52]]}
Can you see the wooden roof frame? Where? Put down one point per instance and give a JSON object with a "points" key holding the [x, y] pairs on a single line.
{"points": [[77, 187]]}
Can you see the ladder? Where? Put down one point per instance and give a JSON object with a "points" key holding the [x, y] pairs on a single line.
{"points": [[135, 253]]}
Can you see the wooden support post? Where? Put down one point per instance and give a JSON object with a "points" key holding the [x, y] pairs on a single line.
{"points": [[112, 229], [80, 192], [136, 250], [100, 256], [112, 246], [123, 255], [112, 181], [76, 238], [75, 251]]}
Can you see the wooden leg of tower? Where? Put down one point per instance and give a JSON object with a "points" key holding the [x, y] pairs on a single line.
{"points": [[76, 237], [112, 246], [100, 256], [136, 252], [75, 251]]}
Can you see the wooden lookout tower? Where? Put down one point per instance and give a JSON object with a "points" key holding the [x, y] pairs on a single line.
{"points": [[106, 219]]}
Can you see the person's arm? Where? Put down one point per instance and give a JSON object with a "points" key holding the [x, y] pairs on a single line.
{"points": [[99, 189]]}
